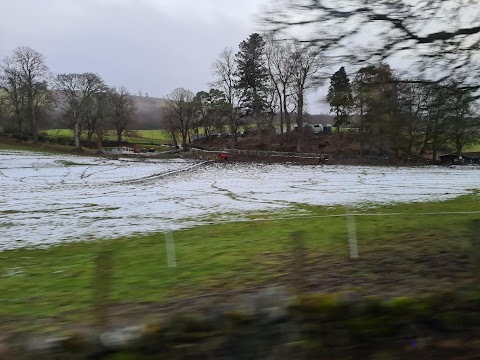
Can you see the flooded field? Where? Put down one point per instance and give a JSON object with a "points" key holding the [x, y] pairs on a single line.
{"points": [[46, 199]]}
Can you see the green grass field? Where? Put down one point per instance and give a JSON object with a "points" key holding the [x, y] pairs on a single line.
{"points": [[148, 136], [399, 255], [472, 148], [50, 149]]}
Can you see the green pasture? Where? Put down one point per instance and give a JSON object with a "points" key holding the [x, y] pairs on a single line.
{"points": [[137, 136], [13, 147], [472, 148], [50, 149], [399, 255]]}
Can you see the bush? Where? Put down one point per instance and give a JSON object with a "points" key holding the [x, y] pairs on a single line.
{"points": [[20, 137], [62, 140], [42, 137]]}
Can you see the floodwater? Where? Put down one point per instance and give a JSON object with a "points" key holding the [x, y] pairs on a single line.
{"points": [[46, 199]]}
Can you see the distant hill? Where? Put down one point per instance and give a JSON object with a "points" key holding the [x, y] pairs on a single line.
{"points": [[148, 114]]}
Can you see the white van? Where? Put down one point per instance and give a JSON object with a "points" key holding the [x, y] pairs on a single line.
{"points": [[318, 128]]}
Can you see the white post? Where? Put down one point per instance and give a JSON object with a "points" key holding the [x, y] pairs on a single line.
{"points": [[170, 246], [352, 236]]}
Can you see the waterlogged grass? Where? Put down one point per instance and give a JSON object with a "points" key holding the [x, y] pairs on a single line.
{"points": [[148, 137], [399, 254]]}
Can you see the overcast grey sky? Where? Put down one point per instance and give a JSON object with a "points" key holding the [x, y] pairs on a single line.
{"points": [[152, 46]]}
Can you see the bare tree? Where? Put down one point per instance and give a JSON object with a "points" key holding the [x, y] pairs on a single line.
{"points": [[124, 109], [272, 105], [212, 110], [182, 110], [5, 112], [99, 113], [308, 64], [24, 77], [15, 99], [224, 69], [169, 123], [279, 64], [442, 37], [76, 91], [91, 116]]}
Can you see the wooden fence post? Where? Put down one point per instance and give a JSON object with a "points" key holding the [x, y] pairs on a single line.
{"points": [[352, 236], [298, 259], [476, 250], [102, 286]]}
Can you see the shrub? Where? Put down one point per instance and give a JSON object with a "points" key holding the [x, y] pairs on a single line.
{"points": [[42, 137]]}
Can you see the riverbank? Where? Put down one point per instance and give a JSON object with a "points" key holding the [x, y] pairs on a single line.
{"points": [[216, 151]]}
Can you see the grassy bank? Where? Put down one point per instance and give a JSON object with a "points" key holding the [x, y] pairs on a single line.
{"points": [[7, 143], [61, 141], [399, 255]]}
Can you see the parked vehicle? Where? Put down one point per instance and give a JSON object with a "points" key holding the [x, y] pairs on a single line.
{"points": [[318, 128]]}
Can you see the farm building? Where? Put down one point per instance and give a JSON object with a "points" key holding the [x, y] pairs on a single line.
{"points": [[120, 150]]}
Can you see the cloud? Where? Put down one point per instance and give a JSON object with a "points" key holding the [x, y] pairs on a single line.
{"points": [[152, 46]]}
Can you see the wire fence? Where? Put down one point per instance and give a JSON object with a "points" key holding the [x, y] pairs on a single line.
{"points": [[374, 253], [386, 254]]}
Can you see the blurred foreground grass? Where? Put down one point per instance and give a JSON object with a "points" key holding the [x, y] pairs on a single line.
{"points": [[399, 255]]}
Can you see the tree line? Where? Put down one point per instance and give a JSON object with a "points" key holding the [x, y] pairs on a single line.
{"points": [[404, 116], [434, 106], [28, 91], [266, 77]]}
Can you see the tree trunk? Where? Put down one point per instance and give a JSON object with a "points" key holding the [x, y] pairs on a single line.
{"points": [[300, 123], [459, 148], [425, 144], [300, 111], [99, 143], [29, 85], [184, 141], [434, 153], [34, 120], [233, 130], [174, 138], [119, 135], [76, 130], [337, 120], [434, 148], [281, 113], [18, 119], [285, 111], [362, 145], [89, 135]]}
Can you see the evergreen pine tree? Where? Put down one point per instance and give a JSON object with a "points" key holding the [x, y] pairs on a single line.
{"points": [[252, 73], [340, 97]]}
